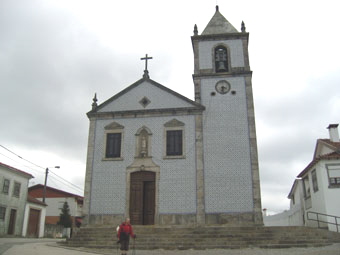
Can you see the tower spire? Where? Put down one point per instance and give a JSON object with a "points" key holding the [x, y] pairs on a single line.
{"points": [[218, 25]]}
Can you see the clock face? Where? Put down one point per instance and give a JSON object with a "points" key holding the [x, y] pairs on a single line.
{"points": [[222, 87]]}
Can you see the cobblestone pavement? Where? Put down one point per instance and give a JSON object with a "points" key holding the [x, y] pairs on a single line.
{"points": [[50, 247]]}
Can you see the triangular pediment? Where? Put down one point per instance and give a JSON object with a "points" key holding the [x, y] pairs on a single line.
{"points": [[174, 123], [113, 125], [145, 95], [325, 146]]}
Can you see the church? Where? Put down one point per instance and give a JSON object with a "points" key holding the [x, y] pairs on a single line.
{"points": [[163, 159]]}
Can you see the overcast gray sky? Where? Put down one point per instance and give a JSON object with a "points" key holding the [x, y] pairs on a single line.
{"points": [[54, 55]]}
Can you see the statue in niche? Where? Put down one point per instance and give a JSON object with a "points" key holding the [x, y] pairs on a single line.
{"points": [[144, 146]]}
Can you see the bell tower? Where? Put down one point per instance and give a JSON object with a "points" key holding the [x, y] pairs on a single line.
{"points": [[222, 80]]}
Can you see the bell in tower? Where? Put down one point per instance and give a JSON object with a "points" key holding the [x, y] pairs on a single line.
{"points": [[221, 59]]}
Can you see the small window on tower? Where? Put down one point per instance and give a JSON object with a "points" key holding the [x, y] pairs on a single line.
{"points": [[221, 59]]}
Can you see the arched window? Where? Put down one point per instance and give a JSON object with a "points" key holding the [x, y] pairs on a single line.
{"points": [[221, 59]]}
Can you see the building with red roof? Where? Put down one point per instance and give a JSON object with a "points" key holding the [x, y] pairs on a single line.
{"points": [[55, 200], [316, 191]]}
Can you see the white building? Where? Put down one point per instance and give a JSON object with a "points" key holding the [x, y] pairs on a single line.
{"points": [[321, 182], [34, 219], [161, 158], [316, 192], [19, 214]]}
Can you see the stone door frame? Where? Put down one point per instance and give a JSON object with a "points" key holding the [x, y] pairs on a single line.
{"points": [[133, 169]]}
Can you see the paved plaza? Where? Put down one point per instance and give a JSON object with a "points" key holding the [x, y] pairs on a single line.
{"points": [[26, 246]]}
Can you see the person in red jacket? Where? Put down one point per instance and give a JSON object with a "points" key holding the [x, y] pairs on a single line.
{"points": [[124, 233]]}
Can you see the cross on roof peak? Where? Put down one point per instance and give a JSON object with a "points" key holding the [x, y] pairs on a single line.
{"points": [[146, 72]]}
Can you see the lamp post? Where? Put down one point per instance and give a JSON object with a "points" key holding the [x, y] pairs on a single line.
{"points": [[46, 173]]}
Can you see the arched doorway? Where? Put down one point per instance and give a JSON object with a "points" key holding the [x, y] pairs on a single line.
{"points": [[142, 198]]}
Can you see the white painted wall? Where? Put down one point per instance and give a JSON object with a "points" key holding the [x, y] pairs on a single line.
{"points": [[326, 200], [332, 196], [280, 219], [11, 202], [293, 216], [316, 197], [296, 217], [325, 150], [56, 204], [42, 210]]}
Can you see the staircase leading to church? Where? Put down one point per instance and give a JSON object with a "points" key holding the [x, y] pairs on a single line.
{"points": [[207, 237]]}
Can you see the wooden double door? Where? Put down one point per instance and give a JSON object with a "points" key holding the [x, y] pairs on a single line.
{"points": [[142, 198]]}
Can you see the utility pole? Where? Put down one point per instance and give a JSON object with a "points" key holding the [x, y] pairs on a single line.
{"points": [[46, 173]]}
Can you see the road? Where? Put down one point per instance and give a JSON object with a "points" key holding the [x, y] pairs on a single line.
{"points": [[43, 246]]}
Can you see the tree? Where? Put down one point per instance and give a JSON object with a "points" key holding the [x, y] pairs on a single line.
{"points": [[65, 217]]}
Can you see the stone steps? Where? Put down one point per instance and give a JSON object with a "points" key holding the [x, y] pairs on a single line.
{"points": [[208, 237]]}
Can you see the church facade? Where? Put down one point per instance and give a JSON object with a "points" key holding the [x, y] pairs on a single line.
{"points": [[161, 159]]}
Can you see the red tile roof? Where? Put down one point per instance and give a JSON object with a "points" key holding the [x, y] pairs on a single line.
{"points": [[35, 201], [329, 156], [37, 189], [336, 145]]}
